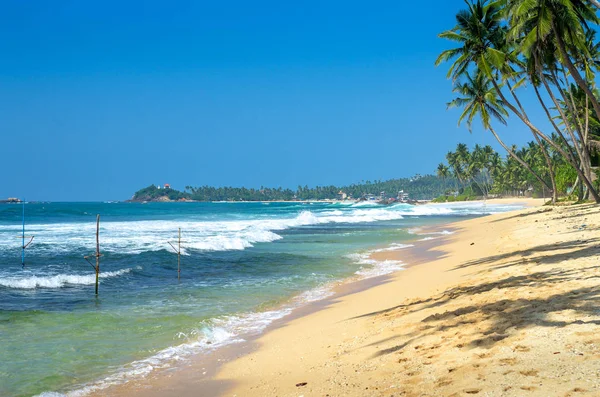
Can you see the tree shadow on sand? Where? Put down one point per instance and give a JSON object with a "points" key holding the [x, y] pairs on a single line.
{"points": [[499, 317], [583, 249]]}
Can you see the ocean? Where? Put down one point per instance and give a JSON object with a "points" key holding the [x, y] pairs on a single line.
{"points": [[243, 265]]}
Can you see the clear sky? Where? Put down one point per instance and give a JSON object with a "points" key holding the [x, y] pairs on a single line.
{"points": [[99, 99]]}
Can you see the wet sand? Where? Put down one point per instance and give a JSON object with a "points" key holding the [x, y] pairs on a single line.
{"points": [[506, 306]]}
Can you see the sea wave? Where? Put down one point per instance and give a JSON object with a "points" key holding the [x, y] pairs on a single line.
{"points": [[209, 336], [373, 268], [135, 237], [227, 330], [393, 247], [56, 281]]}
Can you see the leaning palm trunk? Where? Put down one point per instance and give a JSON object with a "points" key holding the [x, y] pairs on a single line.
{"points": [[550, 166], [534, 129], [519, 160], [574, 72], [553, 189], [563, 117], [584, 150], [559, 132]]}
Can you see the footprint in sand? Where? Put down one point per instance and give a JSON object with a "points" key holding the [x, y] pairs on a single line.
{"points": [[508, 361], [521, 348], [444, 382], [531, 372], [528, 388]]}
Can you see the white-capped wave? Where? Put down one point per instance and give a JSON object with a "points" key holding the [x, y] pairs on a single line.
{"points": [[393, 247], [134, 237], [56, 281], [371, 267], [207, 337]]}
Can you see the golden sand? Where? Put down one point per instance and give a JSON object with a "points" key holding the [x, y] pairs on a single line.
{"points": [[509, 305]]}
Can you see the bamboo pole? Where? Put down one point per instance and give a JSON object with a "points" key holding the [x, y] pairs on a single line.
{"points": [[23, 237], [178, 252], [97, 254], [97, 251]]}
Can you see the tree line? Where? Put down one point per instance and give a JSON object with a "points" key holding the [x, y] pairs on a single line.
{"points": [[482, 172], [419, 187], [502, 46]]}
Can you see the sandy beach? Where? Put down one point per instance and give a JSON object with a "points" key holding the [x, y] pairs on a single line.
{"points": [[504, 306]]}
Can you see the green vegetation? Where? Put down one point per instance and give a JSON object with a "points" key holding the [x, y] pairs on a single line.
{"points": [[418, 187], [550, 45], [483, 173], [153, 193]]}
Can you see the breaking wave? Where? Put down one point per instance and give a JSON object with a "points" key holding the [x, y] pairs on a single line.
{"points": [[56, 281], [135, 237]]}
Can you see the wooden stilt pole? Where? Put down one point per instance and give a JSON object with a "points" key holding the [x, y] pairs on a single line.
{"points": [[97, 251], [97, 254], [23, 237], [178, 252]]}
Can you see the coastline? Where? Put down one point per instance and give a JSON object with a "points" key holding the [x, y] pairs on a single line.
{"points": [[506, 306], [213, 373]]}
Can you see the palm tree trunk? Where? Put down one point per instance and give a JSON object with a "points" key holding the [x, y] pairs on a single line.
{"points": [[543, 148], [553, 190], [518, 159], [547, 139], [563, 116], [574, 72], [582, 150]]}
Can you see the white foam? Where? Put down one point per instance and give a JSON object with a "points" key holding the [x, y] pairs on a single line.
{"points": [[56, 281], [417, 231], [393, 247], [372, 267], [135, 237], [219, 332]]}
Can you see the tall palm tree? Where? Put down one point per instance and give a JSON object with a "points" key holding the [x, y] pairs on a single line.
{"points": [[456, 165], [443, 172], [482, 38], [563, 21], [478, 98]]}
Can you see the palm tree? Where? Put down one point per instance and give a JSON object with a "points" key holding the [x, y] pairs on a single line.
{"points": [[563, 21], [482, 38], [456, 165], [443, 172], [478, 98]]}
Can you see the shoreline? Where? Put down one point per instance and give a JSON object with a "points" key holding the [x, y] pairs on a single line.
{"points": [[506, 307], [201, 371]]}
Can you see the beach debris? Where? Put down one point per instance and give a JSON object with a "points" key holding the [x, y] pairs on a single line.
{"points": [[472, 244], [301, 384], [97, 255]]}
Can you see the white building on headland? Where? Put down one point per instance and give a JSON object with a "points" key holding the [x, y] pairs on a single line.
{"points": [[402, 196]]}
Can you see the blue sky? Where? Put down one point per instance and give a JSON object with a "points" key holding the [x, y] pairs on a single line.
{"points": [[98, 99]]}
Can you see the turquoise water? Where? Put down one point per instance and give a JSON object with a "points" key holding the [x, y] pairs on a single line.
{"points": [[244, 265]]}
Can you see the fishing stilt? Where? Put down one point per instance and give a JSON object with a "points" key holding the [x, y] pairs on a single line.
{"points": [[178, 252], [23, 237], [97, 255]]}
